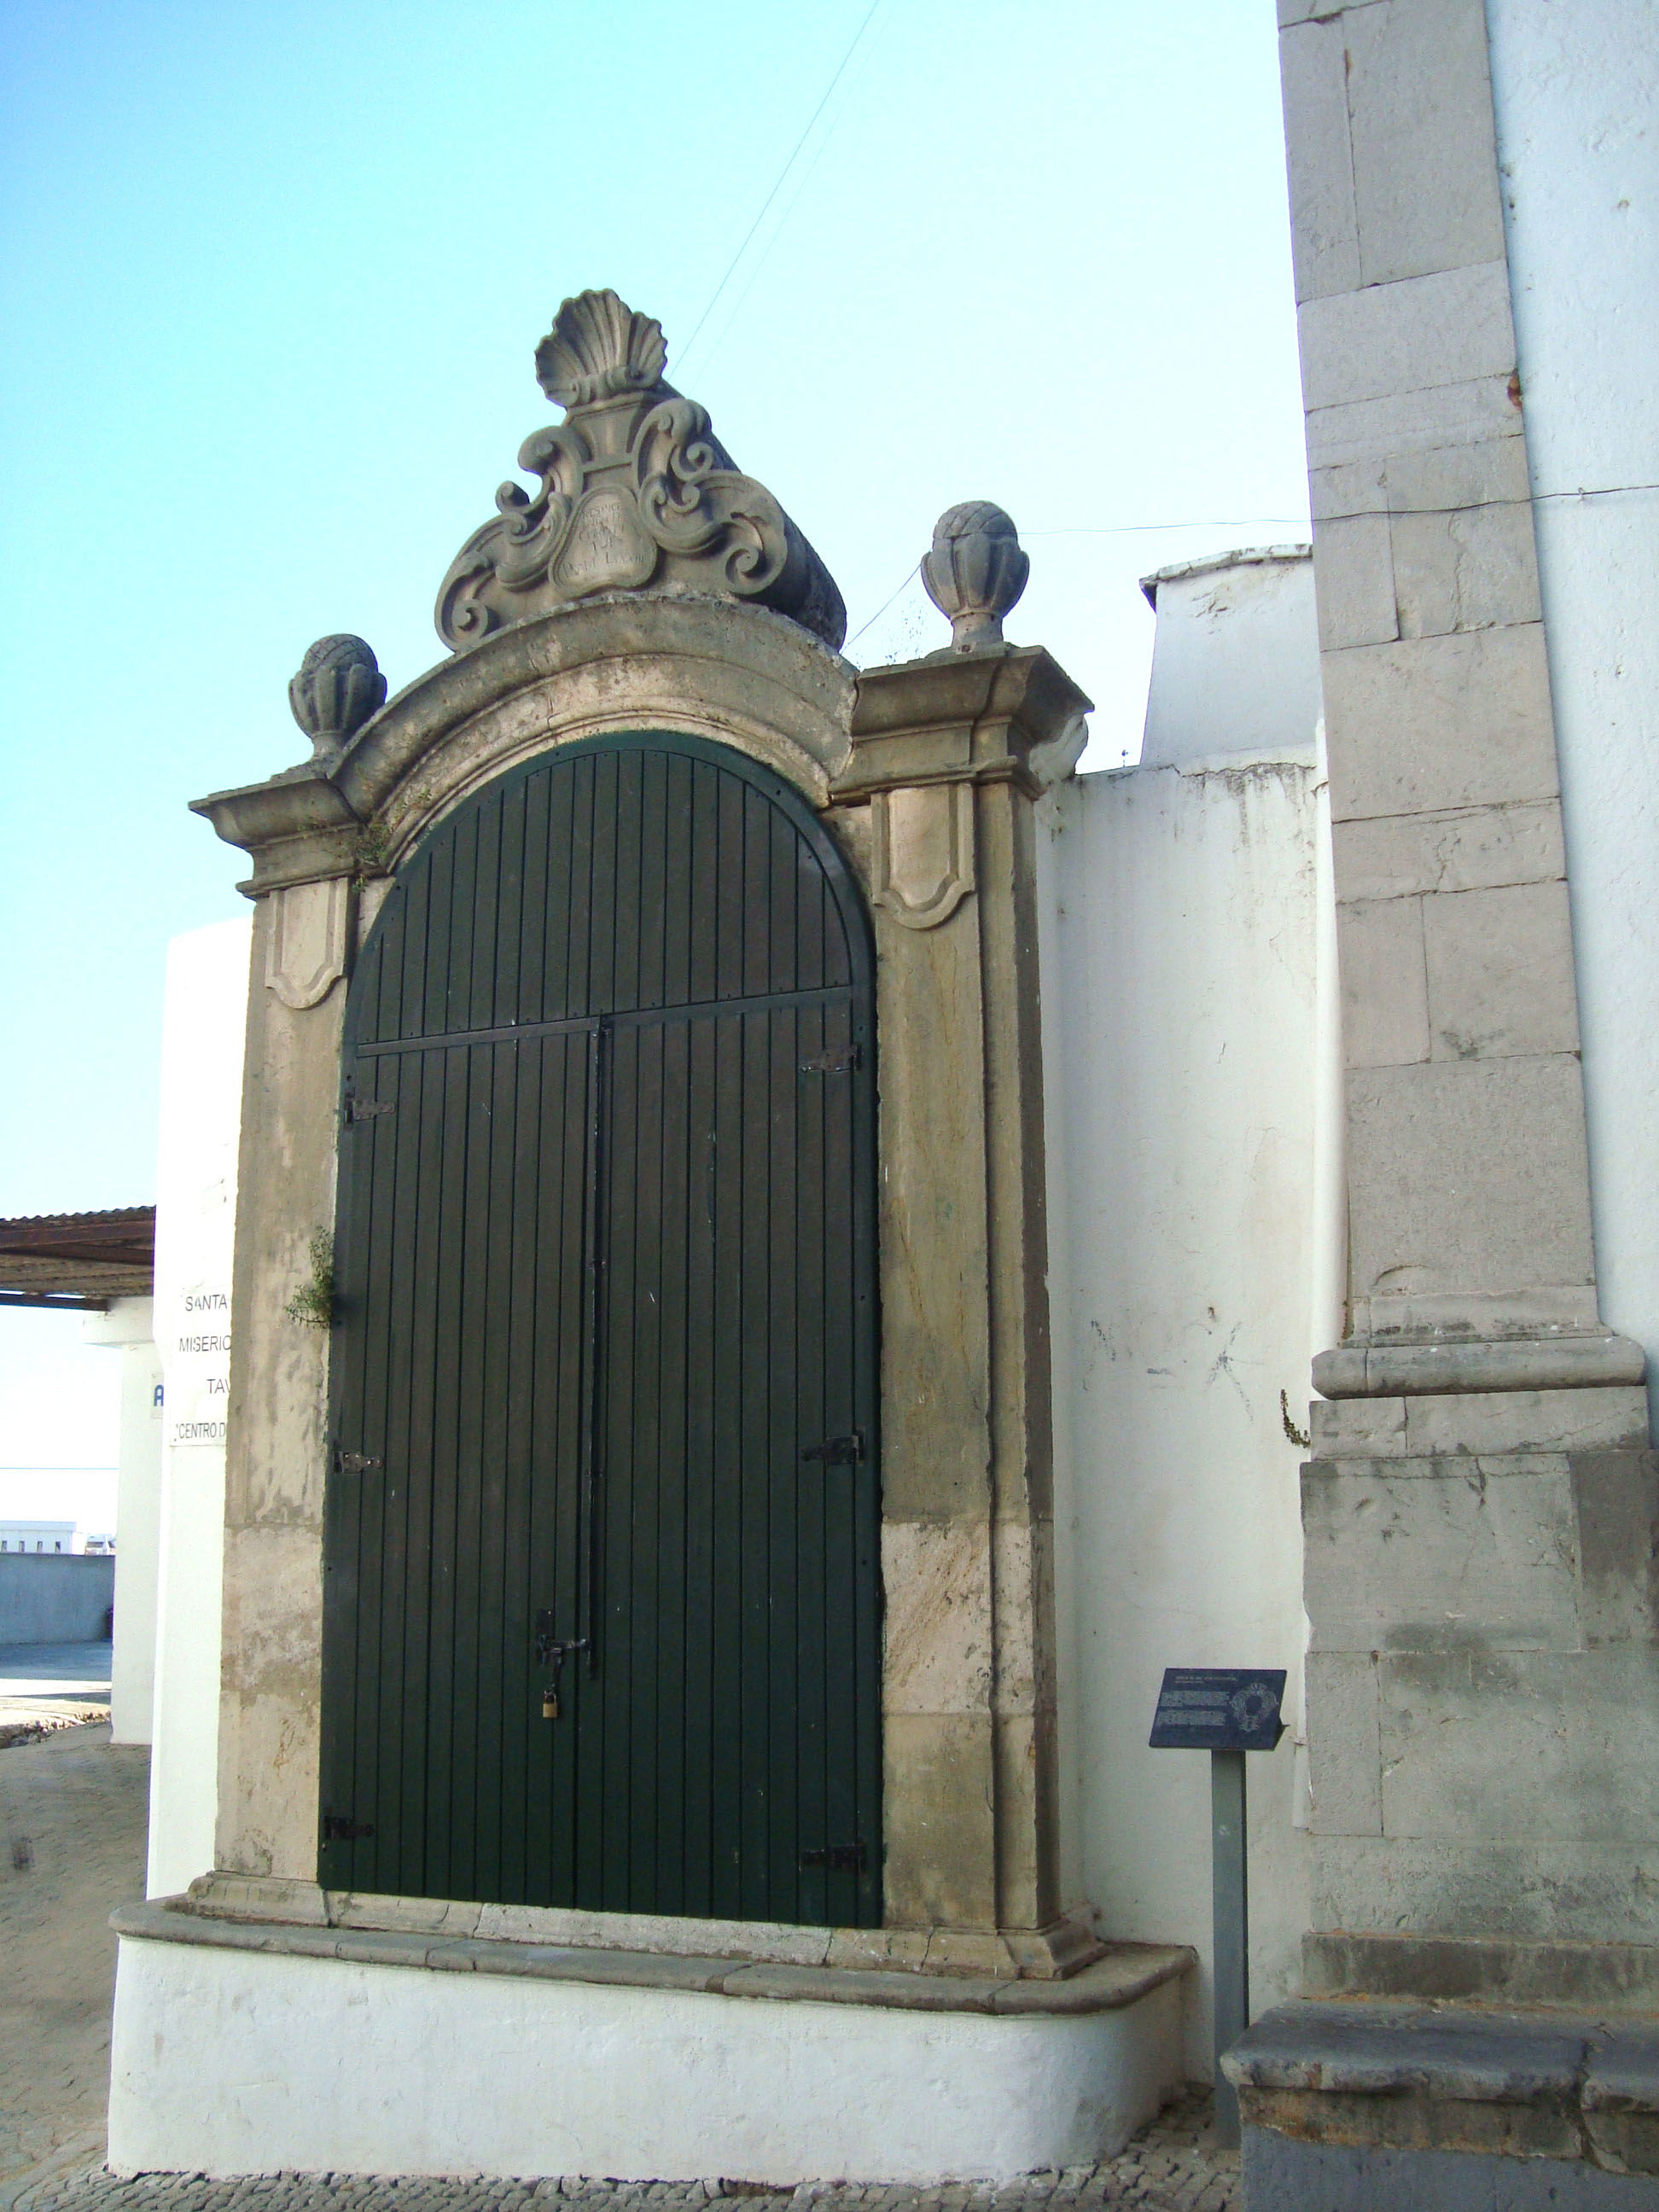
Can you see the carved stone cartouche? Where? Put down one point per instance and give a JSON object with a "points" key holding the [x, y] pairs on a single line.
{"points": [[636, 494], [974, 572], [338, 687]]}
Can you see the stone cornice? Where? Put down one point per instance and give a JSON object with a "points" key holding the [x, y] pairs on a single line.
{"points": [[1127, 1973], [299, 826], [1011, 713]]}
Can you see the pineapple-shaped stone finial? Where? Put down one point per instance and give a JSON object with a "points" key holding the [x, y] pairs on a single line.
{"points": [[338, 687], [974, 572]]}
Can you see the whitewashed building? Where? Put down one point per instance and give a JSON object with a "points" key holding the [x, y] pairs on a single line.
{"points": [[954, 1304]]}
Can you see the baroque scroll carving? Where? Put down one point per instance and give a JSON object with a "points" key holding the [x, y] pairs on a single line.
{"points": [[636, 493]]}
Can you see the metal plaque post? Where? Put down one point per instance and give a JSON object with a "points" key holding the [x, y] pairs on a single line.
{"points": [[1225, 1710]]}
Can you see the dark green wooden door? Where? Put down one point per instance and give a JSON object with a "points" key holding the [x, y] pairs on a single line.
{"points": [[605, 1357]]}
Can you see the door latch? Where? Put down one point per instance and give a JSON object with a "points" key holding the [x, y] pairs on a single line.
{"points": [[347, 1462], [340, 1828], [833, 1062], [837, 1451], [551, 1652], [365, 1110], [837, 1858]]}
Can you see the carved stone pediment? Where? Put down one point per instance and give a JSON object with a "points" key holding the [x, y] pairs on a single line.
{"points": [[636, 494]]}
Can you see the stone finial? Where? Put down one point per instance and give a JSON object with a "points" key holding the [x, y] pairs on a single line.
{"points": [[974, 571], [597, 348], [338, 687], [636, 494]]}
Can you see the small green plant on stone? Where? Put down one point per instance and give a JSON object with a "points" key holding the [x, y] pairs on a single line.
{"points": [[373, 843], [313, 1304]]}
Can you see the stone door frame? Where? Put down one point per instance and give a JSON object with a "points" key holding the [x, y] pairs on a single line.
{"points": [[926, 774]]}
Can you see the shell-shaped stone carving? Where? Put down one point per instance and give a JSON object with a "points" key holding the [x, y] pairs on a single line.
{"points": [[974, 572], [338, 687], [597, 348], [636, 494]]}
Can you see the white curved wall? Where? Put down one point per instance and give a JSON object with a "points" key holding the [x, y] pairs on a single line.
{"points": [[1192, 1211]]}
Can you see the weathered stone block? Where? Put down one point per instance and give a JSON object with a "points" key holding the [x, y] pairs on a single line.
{"points": [[1470, 848], [1591, 1977], [1449, 328], [1426, 1555], [1324, 231], [1353, 576], [936, 1577], [1425, 165], [1368, 431], [269, 1758], [1536, 1889], [1516, 1745], [1467, 1176], [273, 1587], [1472, 570], [1344, 1748], [1358, 1428], [1616, 1495], [1443, 478], [940, 1818], [1500, 972], [1467, 718], [1491, 1421], [1385, 1004]]}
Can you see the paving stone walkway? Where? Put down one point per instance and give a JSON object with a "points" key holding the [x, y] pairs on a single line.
{"points": [[1173, 2166], [72, 1819]]}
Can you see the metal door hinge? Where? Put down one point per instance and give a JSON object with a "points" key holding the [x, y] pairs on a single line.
{"points": [[837, 1451], [837, 1858], [338, 1829], [347, 1462], [833, 1063], [365, 1110]]}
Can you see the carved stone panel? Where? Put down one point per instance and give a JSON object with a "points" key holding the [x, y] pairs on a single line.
{"points": [[309, 937], [923, 851]]}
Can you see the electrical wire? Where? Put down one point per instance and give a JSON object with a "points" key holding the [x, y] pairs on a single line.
{"points": [[1096, 529], [783, 172]]}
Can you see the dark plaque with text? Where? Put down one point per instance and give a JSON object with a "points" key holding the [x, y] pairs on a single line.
{"points": [[1218, 1708]]}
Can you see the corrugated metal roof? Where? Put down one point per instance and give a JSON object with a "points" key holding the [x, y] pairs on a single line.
{"points": [[77, 1260]]}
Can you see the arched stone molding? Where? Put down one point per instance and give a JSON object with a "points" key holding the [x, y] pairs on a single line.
{"points": [[740, 675]]}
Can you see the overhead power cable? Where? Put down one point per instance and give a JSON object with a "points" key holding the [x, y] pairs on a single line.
{"points": [[1099, 530], [713, 297]]}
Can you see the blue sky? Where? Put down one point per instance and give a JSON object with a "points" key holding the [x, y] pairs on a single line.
{"points": [[272, 277]]}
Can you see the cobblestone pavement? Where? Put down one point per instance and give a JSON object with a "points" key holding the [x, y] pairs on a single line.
{"points": [[1173, 2166], [72, 1814]]}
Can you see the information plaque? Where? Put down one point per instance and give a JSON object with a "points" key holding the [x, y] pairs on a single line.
{"points": [[1218, 1708]]}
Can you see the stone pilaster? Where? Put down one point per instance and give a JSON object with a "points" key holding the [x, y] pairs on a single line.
{"points": [[948, 755], [1480, 1510], [303, 840]]}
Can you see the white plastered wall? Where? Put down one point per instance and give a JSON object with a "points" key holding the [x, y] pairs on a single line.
{"points": [[202, 1031], [233, 2062], [129, 1327], [1575, 92], [1188, 1009]]}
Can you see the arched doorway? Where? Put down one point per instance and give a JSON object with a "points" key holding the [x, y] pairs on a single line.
{"points": [[605, 1392]]}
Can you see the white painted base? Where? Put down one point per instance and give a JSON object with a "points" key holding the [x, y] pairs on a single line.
{"points": [[231, 2062]]}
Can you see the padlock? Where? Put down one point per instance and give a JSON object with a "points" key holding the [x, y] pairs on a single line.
{"points": [[549, 1704]]}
